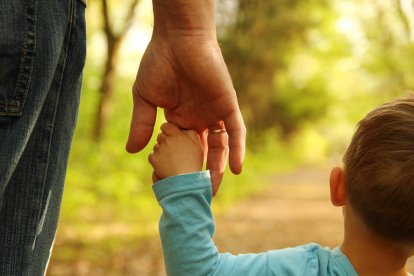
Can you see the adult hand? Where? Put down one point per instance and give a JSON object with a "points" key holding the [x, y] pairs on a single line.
{"points": [[183, 71]]}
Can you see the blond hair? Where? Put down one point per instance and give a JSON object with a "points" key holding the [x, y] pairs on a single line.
{"points": [[379, 170]]}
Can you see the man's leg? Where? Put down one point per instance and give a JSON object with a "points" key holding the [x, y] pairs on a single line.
{"points": [[36, 126]]}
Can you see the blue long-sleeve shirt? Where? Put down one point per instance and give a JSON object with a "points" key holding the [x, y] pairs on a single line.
{"points": [[187, 228]]}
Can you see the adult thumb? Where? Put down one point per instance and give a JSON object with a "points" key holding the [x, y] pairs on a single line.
{"points": [[142, 125]]}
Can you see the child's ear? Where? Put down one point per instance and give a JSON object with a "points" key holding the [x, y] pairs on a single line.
{"points": [[337, 185]]}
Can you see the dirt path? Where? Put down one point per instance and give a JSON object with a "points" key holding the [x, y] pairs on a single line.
{"points": [[293, 210]]}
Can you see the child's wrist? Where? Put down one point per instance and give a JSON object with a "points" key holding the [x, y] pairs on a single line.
{"points": [[179, 174]]}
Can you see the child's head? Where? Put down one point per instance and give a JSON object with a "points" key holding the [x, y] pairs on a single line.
{"points": [[379, 170]]}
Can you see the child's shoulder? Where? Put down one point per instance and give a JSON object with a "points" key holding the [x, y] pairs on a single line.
{"points": [[309, 249], [312, 258]]}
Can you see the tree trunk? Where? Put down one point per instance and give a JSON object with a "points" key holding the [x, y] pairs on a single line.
{"points": [[104, 108], [114, 41]]}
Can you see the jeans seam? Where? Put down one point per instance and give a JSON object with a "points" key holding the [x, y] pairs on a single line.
{"points": [[63, 66]]}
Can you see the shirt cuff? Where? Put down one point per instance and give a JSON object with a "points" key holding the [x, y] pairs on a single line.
{"points": [[181, 182]]}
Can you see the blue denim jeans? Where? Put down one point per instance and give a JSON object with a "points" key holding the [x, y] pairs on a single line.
{"points": [[42, 54]]}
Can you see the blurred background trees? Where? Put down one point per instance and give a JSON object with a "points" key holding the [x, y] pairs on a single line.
{"points": [[114, 35], [305, 73], [260, 46], [287, 57]]}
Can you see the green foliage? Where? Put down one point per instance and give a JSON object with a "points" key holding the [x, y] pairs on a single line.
{"points": [[292, 62], [259, 48], [103, 174], [391, 49]]}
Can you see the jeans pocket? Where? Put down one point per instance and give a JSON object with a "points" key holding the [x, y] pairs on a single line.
{"points": [[17, 52]]}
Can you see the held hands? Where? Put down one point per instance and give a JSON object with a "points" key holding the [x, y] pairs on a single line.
{"points": [[183, 72], [177, 152]]}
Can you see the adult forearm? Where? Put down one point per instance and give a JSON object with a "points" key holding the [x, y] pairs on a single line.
{"points": [[184, 17]]}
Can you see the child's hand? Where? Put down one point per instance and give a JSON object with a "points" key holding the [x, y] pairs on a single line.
{"points": [[177, 152]]}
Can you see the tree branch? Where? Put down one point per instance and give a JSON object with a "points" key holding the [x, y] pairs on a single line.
{"points": [[404, 17], [107, 24], [128, 19]]}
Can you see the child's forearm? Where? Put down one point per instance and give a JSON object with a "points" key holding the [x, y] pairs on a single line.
{"points": [[186, 225], [187, 228]]}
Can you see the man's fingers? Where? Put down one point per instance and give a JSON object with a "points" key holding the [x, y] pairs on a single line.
{"points": [[142, 125], [169, 129], [217, 157], [237, 141]]}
